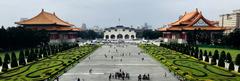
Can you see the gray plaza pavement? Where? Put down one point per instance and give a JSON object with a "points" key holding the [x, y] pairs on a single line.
{"points": [[131, 62]]}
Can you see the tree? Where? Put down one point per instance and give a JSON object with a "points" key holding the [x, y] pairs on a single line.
{"points": [[205, 53], [5, 67], [22, 58], [196, 52], [26, 52], [206, 58], [45, 53], [40, 53], [230, 40], [238, 69], [14, 38], [7, 58], [36, 54], [223, 55], [237, 61], [14, 60], [200, 55], [31, 56], [1, 61], [231, 66], [215, 57], [229, 57], [150, 34], [221, 62], [210, 54], [216, 53]]}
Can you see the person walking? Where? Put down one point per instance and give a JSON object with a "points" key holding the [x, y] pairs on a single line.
{"points": [[142, 59], [165, 74], [78, 79], [105, 56], [90, 71], [109, 77], [139, 77], [148, 77], [111, 57]]}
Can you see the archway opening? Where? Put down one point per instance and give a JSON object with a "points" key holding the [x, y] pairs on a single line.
{"points": [[119, 36], [107, 36], [112, 36], [126, 36], [132, 36]]}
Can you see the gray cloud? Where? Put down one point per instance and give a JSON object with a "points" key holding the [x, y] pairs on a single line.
{"points": [[105, 13]]}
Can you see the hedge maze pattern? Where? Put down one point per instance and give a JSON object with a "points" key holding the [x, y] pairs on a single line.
{"points": [[189, 67], [48, 67]]}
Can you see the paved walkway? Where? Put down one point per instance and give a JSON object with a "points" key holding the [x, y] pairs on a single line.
{"points": [[131, 62]]}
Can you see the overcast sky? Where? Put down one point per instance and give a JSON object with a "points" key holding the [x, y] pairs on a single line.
{"points": [[105, 13]]}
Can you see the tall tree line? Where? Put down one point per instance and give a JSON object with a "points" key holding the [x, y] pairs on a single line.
{"points": [[148, 34], [232, 39], [89, 34], [204, 37], [13, 38]]}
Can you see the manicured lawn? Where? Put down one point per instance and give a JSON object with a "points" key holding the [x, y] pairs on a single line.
{"points": [[189, 67], [48, 67], [233, 52]]}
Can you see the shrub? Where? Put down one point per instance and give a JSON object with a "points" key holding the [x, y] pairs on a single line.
{"points": [[205, 53], [215, 57], [222, 59], [56, 69], [26, 52], [22, 58], [69, 61], [238, 69], [7, 58], [1, 61], [229, 57], [48, 74], [237, 61], [216, 54], [64, 64], [74, 58], [30, 57], [200, 55], [206, 58], [210, 54], [221, 62], [223, 55], [5, 67], [231, 66], [14, 60], [196, 53]]}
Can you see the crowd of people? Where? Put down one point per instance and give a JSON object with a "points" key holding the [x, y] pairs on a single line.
{"points": [[143, 77], [121, 75]]}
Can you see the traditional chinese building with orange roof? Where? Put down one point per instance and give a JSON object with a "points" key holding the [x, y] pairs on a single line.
{"points": [[177, 31], [59, 30]]}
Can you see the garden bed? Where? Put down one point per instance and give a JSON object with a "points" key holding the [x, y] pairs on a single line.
{"points": [[188, 67]]}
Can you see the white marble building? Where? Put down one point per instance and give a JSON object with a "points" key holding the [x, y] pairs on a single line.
{"points": [[119, 33]]}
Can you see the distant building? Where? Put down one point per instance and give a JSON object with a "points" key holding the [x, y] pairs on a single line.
{"points": [[84, 26], [97, 29], [59, 30], [119, 33], [177, 31], [230, 21], [146, 26]]}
